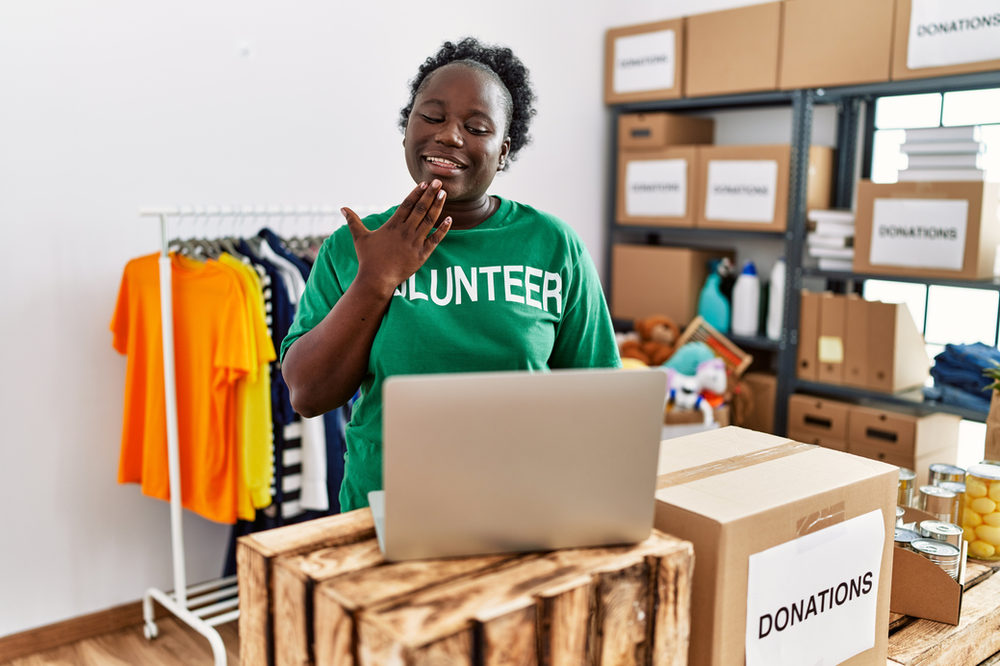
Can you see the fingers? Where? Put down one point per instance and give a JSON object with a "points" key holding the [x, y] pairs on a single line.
{"points": [[433, 212], [404, 209], [427, 207], [432, 241], [354, 224]]}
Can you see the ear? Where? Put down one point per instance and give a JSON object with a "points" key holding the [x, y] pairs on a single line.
{"points": [[504, 151]]}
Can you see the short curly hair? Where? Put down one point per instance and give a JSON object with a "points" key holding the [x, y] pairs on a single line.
{"points": [[503, 65]]}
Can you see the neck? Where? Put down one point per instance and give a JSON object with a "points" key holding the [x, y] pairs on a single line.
{"points": [[469, 214]]}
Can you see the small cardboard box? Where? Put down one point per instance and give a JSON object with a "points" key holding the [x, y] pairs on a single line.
{"points": [[755, 403], [746, 187], [904, 440], [930, 229], [816, 417], [650, 131], [644, 63], [808, 335], [648, 280], [737, 495], [921, 588], [733, 51], [948, 39], [657, 187], [830, 347], [838, 43]]}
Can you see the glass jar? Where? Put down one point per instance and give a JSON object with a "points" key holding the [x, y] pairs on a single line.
{"points": [[981, 516]]}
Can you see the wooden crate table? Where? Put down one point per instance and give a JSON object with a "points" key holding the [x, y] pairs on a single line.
{"points": [[321, 594], [976, 639]]}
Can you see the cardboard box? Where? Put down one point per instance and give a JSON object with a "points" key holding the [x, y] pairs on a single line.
{"points": [[746, 187], [904, 440], [830, 345], [838, 43], [648, 280], [948, 40], [733, 51], [808, 335], [897, 357], [827, 442], [754, 404], [856, 342], [816, 417], [649, 131], [644, 63], [657, 187], [920, 588], [735, 494], [917, 229]]}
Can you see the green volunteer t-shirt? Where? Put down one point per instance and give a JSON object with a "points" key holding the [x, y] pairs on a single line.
{"points": [[518, 292]]}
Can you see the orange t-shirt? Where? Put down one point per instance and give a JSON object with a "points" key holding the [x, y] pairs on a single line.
{"points": [[211, 353]]}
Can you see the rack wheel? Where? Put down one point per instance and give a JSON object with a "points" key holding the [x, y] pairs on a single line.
{"points": [[150, 631]]}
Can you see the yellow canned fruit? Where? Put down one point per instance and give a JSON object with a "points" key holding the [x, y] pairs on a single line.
{"points": [[994, 492], [992, 519], [981, 549], [983, 506], [975, 488], [971, 519], [990, 535]]}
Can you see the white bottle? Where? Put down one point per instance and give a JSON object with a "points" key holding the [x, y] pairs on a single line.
{"points": [[746, 302], [776, 300]]}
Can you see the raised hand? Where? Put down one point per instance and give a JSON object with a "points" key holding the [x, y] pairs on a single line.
{"points": [[392, 253]]}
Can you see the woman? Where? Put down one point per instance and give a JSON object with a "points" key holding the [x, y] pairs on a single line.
{"points": [[496, 285]]}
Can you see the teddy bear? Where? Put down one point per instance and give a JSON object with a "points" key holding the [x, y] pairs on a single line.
{"points": [[657, 336]]}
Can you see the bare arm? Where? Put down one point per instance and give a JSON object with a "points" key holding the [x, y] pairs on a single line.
{"points": [[325, 367]]}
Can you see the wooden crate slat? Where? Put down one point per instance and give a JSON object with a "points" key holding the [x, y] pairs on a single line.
{"points": [[624, 606], [673, 594], [334, 643], [568, 617], [255, 610], [511, 638]]}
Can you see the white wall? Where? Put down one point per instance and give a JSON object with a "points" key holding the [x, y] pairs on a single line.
{"points": [[105, 106]]}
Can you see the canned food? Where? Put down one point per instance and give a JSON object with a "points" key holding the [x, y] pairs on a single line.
{"points": [[907, 479], [959, 506], [981, 516], [945, 555], [937, 501], [944, 472], [947, 532], [899, 516], [905, 537]]}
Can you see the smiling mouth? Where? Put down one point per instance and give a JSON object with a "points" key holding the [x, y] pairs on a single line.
{"points": [[444, 163]]}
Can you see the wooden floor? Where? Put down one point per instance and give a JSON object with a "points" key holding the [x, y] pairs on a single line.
{"points": [[177, 645]]}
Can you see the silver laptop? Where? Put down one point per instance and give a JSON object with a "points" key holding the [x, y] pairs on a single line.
{"points": [[516, 461]]}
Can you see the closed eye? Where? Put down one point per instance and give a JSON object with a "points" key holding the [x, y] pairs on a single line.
{"points": [[479, 131], [431, 119]]}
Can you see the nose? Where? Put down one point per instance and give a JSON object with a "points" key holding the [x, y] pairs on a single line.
{"points": [[450, 134]]}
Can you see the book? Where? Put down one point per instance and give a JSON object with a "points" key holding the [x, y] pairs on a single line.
{"points": [[836, 265], [831, 252], [932, 134], [950, 147], [834, 229], [829, 241], [842, 216], [946, 161], [925, 175]]}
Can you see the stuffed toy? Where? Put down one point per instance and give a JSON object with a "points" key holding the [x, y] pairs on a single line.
{"points": [[657, 336], [702, 391]]}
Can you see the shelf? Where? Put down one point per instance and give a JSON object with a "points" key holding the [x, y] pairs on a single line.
{"points": [[694, 233], [993, 284], [913, 399], [756, 342]]}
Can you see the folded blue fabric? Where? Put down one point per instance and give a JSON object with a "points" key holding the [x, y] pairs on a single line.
{"points": [[961, 367]]}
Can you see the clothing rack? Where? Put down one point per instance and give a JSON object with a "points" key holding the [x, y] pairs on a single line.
{"points": [[209, 604]]}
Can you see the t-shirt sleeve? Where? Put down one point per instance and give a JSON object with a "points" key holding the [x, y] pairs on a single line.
{"points": [[585, 337], [232, 353], [120, 319], [323, 290]]}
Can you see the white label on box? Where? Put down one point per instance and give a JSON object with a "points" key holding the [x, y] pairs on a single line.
{"points": [[656, 188], [644, 62], [812, 600], [919, 233], [953, 33], [741, 190]]}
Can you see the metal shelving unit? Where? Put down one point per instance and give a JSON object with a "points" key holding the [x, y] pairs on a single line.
{"points": [[850, 101]]}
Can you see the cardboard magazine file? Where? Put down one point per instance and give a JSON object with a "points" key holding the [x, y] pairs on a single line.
{"points": [[746, 187], [921, 588], [777, 523], [643, 63], [648, 280], [904, 440], [839, 43], [650, 131], [830, 345], [657, 187], [897, 357], [808, 336], [817, 417], [943, 38], [930, 229], [856, 341], [733, 51]]}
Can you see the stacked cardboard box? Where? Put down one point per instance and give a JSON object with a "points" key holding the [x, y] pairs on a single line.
{"points": [[831, 239], [867, 344], [943, 154]]}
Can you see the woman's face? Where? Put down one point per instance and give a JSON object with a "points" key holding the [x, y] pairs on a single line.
{"points": [[457, 132]]}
